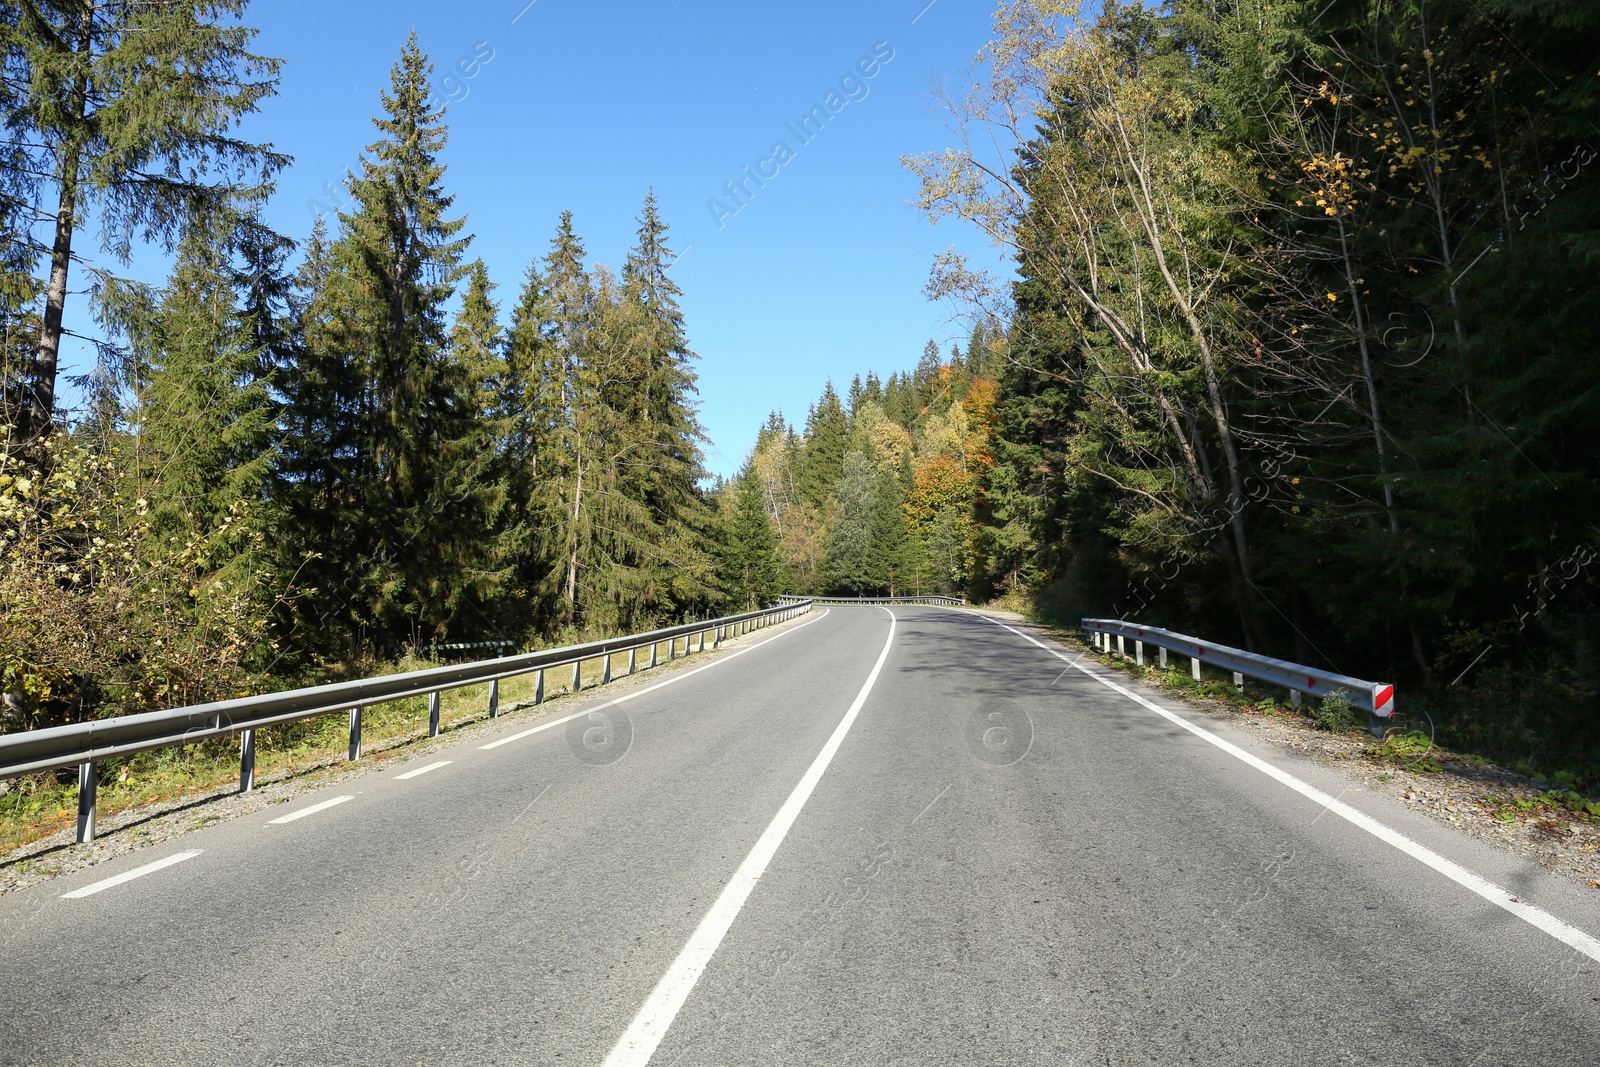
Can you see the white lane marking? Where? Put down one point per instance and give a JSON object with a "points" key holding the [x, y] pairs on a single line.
{"points": [[650, 689], [644, 1034], [312, 810], [1497, 895], [422, 770], [137, 872]]}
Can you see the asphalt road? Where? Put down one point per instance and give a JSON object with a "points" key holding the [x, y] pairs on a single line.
{"points": [[860, 840]]}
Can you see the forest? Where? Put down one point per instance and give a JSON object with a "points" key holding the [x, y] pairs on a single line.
{"points": [[1301, 354], [1302, 351], [1298, 354], [298, 459]]}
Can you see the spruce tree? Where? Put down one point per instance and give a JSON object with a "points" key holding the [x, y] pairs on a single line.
{"points": [[205, 412], [852, 565], [665, 396], [827, 431], [401, 494], [124, 113], [751, 569]]}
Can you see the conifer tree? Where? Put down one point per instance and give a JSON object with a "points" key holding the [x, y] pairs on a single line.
{"points": [[124, 112], [853, 564], [751, 567], [827, 430], [205, 412], [400, 411]]}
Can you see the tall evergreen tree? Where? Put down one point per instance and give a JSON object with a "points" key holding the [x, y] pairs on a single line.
{"points": [[205, 412], [124, 112], [404, 413], [750, 565], [827, 431]]}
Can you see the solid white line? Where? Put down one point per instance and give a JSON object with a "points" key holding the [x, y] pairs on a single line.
{"points": [[649, 689], [422, 770], [644, 1034], [137, 872], [312, 810], [1497, 895]]}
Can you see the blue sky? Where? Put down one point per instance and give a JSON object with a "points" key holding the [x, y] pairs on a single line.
{"points": [[583, 106]]}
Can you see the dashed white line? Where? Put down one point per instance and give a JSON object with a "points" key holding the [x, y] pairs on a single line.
{"points": [[137, 872], [1497, 895], [649, 689], [422, 770], [312, 810], [644, 1034]]}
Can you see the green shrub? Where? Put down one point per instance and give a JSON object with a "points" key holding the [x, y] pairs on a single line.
{"points": [[1334, 713]]}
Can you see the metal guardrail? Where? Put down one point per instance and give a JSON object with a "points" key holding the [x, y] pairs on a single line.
{"points": [[84, 744], [1375, 698], [930, 599]]}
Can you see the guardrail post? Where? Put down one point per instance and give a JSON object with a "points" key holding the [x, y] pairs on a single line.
{"points": [[605, 668], [1238, 681], [633, 660], [577, 676], [654, 646], [716, 637], [672, 648], [1294, 697], [88, 786], [494, 698], [355, 733], [1378, 725], [1194, 667], [433, 715], [1163, 659], [1138, 652], [1122, 649], [247, 761], [538, 686]]}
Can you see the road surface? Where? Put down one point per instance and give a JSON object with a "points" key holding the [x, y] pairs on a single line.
{"points": [[869, 836]]}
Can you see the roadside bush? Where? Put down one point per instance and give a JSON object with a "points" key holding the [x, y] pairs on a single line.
{"points": [[1334, 713]]}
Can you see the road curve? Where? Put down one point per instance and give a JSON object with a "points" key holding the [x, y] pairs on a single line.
{"points": [[888, 836]]}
